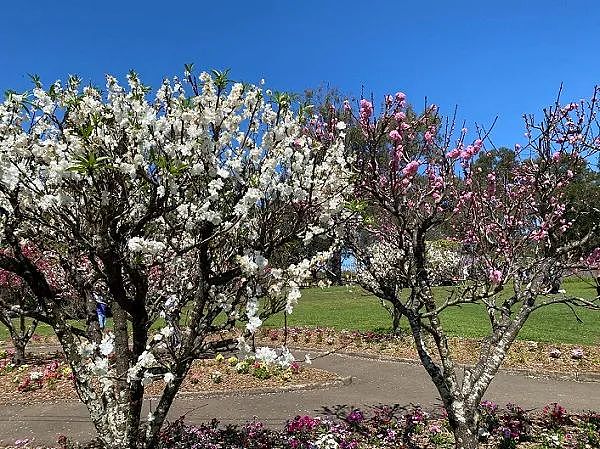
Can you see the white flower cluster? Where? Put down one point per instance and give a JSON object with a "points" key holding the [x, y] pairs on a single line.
{"points": [[145, 360], [381, 262], [326, 441], [145, 246], [96, 363], [444, 261], [270, 356]]}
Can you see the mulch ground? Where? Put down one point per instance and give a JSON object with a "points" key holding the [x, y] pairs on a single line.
{"points": [[534, 356], [529, 355], [59, 386]]}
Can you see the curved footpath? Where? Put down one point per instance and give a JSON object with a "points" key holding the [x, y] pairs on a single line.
{"points": [[373, 382]]}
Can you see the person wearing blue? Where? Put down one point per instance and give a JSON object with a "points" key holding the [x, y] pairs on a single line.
{"points": [[101, 311]]}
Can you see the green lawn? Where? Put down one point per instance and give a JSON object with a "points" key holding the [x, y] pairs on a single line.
{"points": [[352, 308]]}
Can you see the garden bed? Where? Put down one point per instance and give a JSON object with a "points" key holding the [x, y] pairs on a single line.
{"points": [[397, 427], [523, 355], [48, 378], [382, 426]]}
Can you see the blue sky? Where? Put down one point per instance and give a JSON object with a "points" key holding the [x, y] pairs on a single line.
{"points": [[490, 58]]}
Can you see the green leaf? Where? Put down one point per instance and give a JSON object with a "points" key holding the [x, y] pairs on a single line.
{"points": [[188, 68], [221, 79], [35, 79]]}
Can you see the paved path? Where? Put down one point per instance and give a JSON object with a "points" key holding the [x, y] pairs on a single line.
{"points": [[373, 382]]}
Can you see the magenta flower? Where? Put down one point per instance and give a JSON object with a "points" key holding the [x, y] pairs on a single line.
{"points": [[452, 154], [411, 168], [495, 276], [577, 354], [366, 110], [395, 135]]}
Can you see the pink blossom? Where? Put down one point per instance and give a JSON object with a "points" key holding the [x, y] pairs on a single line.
{"points": [[347, 106], [593, 260], [400, 116], [554, 353], [400, 97], [577, 354], [399, 152], [495, 276], [411, 168], [428, 137], [395, 135], [366, 109], [452, 154]]}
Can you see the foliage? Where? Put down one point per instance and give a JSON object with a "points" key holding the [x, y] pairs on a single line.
{"points": [[382, 426]]}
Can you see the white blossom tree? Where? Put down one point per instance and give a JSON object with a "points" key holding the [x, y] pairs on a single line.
{"points": [[169, 209]]}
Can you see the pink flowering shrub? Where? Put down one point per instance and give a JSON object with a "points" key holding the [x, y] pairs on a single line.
{"points": [[555, 415], [390, 427]]}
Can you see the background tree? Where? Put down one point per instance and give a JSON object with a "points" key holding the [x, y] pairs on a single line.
{"points": [[169, 209], [14, 298]]}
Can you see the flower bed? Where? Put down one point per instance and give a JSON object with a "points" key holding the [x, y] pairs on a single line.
{"points": [[47, 378], [522, 355], [395, 427], [384, 426]]}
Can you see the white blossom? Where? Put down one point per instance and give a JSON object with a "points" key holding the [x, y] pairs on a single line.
{"points": [[267, 355], [168, 378], [146, 246], [107, 344]]}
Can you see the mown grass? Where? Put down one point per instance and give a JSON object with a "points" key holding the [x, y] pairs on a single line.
{"points": [[351, 308]]}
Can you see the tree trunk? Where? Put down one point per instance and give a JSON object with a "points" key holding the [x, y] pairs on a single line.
{"points": [[153, 428], [19, 357], [335, 268], [463, 420], [465, 437], [396, 316], [556, 283]]}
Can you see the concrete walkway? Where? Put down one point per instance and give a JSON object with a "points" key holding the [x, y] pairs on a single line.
{"points": [[373, 382]]}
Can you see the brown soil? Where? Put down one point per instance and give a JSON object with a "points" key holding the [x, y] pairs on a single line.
{"points": [[528, 355], [198, 381]]}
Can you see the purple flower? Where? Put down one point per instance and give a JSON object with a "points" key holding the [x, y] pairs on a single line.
{"points": [[555, 353], [577, 354], [435, 429], [355, 417]]}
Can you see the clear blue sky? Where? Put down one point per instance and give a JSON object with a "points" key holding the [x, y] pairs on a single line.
{"points": [[488, 57]]}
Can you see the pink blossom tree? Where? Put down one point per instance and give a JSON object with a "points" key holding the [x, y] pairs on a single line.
{"points": [[14, 298], [415, 176], [592, 263], [17, 301]]}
